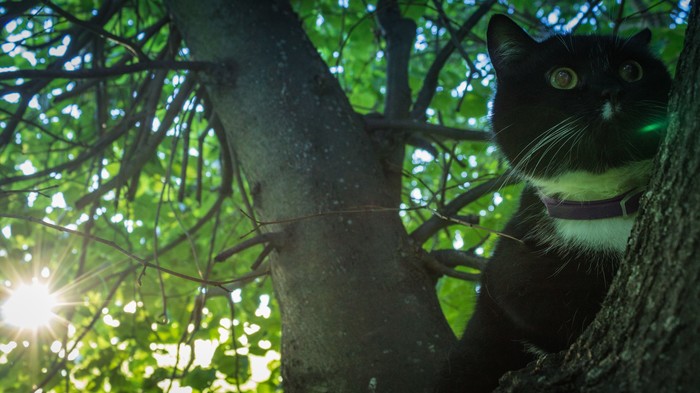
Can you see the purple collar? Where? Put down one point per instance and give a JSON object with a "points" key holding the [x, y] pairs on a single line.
{"points": [[619, 206]]}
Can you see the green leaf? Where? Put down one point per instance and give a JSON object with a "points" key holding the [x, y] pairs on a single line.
{"points": [[199, 378]]}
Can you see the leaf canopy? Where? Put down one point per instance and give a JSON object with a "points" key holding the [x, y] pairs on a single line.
{"points": [[101, 174]]}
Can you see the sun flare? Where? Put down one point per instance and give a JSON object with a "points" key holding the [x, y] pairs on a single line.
{"points": [[29, 306]]}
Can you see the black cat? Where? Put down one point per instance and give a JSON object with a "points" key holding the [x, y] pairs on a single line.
{"points": [[579, 118]]}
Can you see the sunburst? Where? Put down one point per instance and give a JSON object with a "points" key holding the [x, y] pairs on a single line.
{"points": [[30, 306]]}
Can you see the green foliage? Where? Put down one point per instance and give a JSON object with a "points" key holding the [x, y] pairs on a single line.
{"points": [[123, 328]]}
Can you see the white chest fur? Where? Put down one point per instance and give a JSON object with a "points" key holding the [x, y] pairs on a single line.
{"points": [[608, 234]]}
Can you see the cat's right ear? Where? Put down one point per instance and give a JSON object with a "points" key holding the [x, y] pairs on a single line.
{"points": [[507, 42]]}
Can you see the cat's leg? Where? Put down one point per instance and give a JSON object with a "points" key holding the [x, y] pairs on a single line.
{"points": [[488, 348]]}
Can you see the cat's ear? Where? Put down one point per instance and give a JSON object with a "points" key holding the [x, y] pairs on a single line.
{"points": [[507, 42], [642, 38]]}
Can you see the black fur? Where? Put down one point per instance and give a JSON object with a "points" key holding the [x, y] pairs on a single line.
{"points": [[537, 294], [526, 106]]}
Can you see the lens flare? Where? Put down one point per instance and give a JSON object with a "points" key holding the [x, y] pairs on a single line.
{"points": [[653, 127], [29, 306]]}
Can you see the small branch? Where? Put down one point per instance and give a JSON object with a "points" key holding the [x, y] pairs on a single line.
{"points": [[107, 72], [472, 219], [141, 261], [44, 130], [200, 166], [7, 134], [442, 219], [244, 279], [458, 134], [79, 339], [271, 237], [425, 96], [453, 220], [145, 152], [133, 49], [434, 265], [454, 40], [589, 13], [228, 287], [261, 258], [39, 191], [454, 258], [619, 19]]}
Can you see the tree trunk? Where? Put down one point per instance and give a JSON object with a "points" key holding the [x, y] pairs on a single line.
{"points": [[359, 313], [645, 339]]}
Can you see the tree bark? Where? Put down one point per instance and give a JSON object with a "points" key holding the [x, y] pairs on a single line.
{"points": [[645, 339], [359, 313]]}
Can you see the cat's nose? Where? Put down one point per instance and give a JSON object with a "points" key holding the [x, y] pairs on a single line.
{"points": [[610, 93]]}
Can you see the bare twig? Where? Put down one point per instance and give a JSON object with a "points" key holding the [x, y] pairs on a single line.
{"points": [[270, 237], [98, 146], [441, 219], [454, 220], [140, 260], [234, 344], [79, 339]]}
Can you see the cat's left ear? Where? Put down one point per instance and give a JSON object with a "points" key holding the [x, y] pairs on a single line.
{"points": [[507, 42], [643, 38]]}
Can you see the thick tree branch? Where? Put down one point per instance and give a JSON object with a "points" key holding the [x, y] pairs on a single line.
{"points": [[399, 33], [438, 267], [92, 73], [427, 129]]}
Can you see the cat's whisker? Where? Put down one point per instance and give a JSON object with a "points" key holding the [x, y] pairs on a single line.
{"points": [[573, 134], [576, 143], [562, 39], [562, 140], [547, 139], [503, 129], [540, 139]]}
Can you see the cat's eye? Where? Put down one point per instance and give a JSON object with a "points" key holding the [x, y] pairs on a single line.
{"points": [[563, 78], [630, 71]]}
